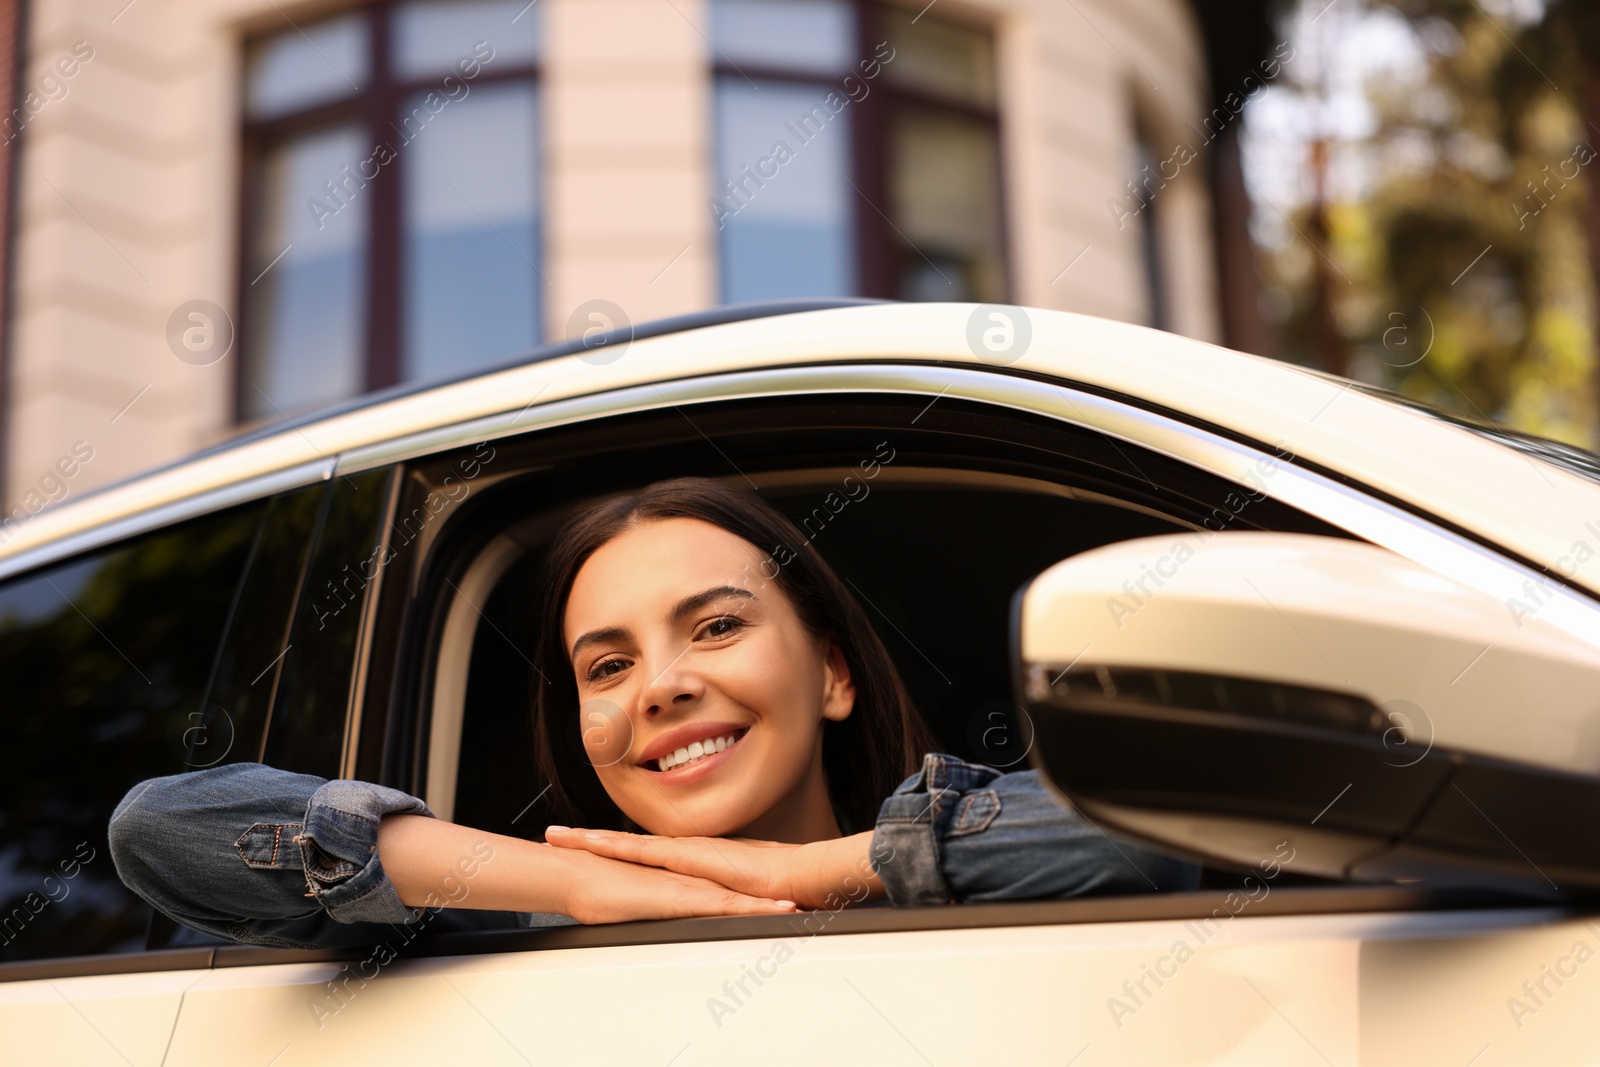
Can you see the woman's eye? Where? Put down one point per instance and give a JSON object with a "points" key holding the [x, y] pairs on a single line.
{"points": [[722, 627], [603, 669]]}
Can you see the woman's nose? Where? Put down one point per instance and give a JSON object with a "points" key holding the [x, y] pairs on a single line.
{"points": [[674, 685]]}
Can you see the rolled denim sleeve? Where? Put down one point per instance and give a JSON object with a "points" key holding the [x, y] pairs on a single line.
{"points": [[958, 831], [255, 854]]}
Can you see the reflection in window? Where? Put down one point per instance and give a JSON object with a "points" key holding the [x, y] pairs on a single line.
{"points": [[431, 35], [310, 275], [1152, 250], [857, 152], [947, 199], [791, 228], [391, 219], [472, 237], [809, 36], [941, 59], [105, 664], [293, 71]]}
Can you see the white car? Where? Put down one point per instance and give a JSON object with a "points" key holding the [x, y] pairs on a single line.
{"points": [[1342, 649]]}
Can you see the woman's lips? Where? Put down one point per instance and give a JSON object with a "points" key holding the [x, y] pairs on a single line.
{"points": [[693, 771]]}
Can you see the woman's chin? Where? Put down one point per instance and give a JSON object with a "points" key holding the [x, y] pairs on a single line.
{"points": [[696, 825]]}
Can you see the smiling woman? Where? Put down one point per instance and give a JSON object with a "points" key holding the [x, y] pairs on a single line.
{"points": [[750, 723]]}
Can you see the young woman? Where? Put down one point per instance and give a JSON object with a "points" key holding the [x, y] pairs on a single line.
{"points": [[747, 748]]}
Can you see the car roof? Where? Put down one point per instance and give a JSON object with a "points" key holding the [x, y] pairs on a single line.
{"points": [[605, 340], [1494, 492]]}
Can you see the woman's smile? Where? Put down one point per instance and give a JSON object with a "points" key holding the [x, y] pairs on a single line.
{"points": [[715, 676], [694, 761]]}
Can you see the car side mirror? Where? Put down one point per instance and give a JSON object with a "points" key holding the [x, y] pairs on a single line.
{"points": [[1221, 694]]}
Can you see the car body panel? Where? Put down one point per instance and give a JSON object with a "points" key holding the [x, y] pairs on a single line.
{"points": [[1339, 989], [94, 1019]]}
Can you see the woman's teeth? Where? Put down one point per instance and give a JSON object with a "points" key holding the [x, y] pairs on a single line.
{"points": [[696, 750]]}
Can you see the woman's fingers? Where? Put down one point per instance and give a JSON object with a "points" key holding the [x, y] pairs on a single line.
{"points": [[685, 855], [759, 869], [614, 891], [728, 902]]}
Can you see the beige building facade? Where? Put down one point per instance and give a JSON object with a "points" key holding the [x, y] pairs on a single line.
{"points": [[132, 193]]}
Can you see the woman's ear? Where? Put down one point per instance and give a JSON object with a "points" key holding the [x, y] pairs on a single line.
{"points": [[839, 689]]}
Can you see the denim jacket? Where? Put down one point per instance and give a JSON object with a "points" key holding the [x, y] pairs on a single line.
{"points": [[254, 854]]}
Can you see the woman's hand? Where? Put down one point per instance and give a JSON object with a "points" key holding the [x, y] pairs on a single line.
{"points": [[821, 874], [433, 863], [603, 890]]}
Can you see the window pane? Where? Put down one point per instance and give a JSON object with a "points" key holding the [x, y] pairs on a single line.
{"points": [[472, 296], [783, 193], [430, 36], [803, 35], [253, 652], [295, 69], [104, 662], [306, 309], [313, 700], [939, 58], [946, 196]]}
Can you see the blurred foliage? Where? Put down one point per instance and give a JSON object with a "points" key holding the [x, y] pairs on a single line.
{"points": [[1491, 153]]}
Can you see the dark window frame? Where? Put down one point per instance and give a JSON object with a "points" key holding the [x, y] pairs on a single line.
{"points": [[376, 109], [879, 257]]}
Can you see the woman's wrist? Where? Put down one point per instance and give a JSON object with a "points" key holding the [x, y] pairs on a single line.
{"points": [[846, 871]]}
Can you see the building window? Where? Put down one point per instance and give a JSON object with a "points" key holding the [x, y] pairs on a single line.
{"points": [[1147, 182], [857, 153], [391, 200]]}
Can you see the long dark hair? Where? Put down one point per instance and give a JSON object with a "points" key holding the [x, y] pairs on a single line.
{"points": [[863, 757]]}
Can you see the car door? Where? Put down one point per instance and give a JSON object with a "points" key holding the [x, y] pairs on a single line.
{"points": [[156, 653]]}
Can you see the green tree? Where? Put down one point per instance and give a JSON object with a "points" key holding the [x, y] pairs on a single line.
{"points": [[1465, 268]]}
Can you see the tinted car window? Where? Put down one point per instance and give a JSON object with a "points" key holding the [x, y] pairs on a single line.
{"points": [[312, 700], [253, 651], [104, 666]]}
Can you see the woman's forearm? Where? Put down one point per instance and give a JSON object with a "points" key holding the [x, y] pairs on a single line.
{"points": [[435, 864]]}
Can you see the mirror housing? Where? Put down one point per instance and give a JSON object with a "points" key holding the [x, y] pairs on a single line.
{"points": [[1219, 694]]}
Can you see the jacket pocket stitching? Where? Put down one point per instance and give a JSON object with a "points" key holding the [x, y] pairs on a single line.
{"points": [[245, 838], [967, 823]]}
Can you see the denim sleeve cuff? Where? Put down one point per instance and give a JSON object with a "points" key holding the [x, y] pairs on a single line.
{"points": [[918, 816], [339, 847]]}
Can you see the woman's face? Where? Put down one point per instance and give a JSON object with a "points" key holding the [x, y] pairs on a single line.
{"points": [[674, 640]]}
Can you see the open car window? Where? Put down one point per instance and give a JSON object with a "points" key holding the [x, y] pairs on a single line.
{"points": [[967, 503]]}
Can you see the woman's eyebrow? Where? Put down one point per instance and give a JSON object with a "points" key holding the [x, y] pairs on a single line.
{"points": [[687, 606], [691, 604]]}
